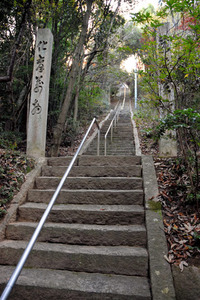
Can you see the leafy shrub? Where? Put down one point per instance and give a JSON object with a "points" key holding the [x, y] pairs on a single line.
{"points": [[92, 102], [187, 124], [10, 139]]}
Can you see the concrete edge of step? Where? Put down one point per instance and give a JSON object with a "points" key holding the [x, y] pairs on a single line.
{"points": [[161, 277], [21, 196]]}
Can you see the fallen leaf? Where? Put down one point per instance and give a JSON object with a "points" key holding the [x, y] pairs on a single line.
{"points": [[182, 265]]}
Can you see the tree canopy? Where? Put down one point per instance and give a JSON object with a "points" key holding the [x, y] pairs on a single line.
{"points": [[82, 33], [171, 54]]}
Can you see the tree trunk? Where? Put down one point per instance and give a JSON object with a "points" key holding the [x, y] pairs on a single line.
{"points": [[78, 87], [8, 77], [76, 101], [57, 132]]}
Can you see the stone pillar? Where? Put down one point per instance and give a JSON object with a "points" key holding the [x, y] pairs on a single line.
{"points": [[38, 108], [167, 143]]}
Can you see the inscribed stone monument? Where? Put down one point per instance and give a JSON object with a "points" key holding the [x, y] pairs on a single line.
{"points": [[38, 110]]}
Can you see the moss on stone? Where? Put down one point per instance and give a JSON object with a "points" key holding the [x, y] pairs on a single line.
{"points": [[154, 205]]}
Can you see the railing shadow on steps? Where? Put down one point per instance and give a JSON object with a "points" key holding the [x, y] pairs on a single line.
{"points": [[36, 233]]}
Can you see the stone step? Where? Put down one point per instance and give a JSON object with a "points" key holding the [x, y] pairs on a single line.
{"points": [[110, 153], [87, 160], [113, 147], [119, 126], [114, 142], [125, 123], [120, 135], [91, 171], [116, 136], [103, 197], [127, 142], [88, 214], [58, 284], [103, 183], [117, 131], [80, 234], [124, 160], [116, 148], [122, 260]]}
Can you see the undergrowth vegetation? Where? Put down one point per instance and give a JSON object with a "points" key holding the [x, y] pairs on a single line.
{"points": [[180, 207], [188, 122], [13, 169]]}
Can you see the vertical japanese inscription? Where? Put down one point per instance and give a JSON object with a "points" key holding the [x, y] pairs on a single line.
{"points": [[38, 79], [38, 110]]}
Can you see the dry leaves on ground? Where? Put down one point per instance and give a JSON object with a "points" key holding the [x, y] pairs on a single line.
{"points": [[13, 169], [181, 219]]}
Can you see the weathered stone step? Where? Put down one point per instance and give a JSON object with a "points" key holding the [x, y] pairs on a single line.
{"points": [[87, 160], [111, 152], [88, 214], [118, 131], [116, 137], [113, 149], [122, 134], [58, 284], [80, 234], [114, 183], [122, 260], [115, 142], [117, 148], [110, 161], [109, 197], [122, 125], [104, 171]]}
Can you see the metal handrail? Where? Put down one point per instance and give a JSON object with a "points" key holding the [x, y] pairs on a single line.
{"points": [[114, 119], [34, 237], [123, 102]]}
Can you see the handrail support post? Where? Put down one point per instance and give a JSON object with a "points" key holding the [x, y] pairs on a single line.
{"points": [[98, 142], [111, 132]]}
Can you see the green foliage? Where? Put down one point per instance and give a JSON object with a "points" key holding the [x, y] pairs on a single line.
{"points": [[92, 102], [187, 123], [10, 139], [171, 56], [65, 19], [186, 118]]}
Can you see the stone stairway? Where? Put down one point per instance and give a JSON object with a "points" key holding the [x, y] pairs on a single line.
{"points": [[123, 139], [93, 245]]}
